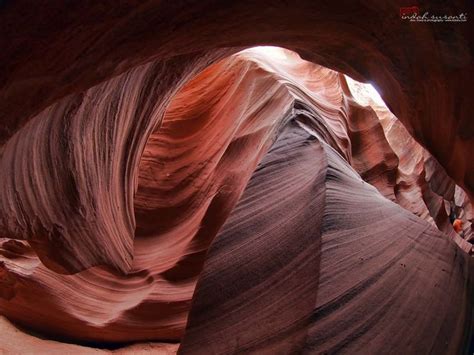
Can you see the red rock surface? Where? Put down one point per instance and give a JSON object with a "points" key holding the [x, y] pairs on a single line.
{"points": [[194, 169], [356, 281], [65, 50], [250, 185]]}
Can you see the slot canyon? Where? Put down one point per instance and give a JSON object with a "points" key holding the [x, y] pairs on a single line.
{"points": [[220, 177]]}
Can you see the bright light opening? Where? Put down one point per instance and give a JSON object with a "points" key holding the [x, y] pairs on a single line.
{"points": [[275, 53], [364, 94]]}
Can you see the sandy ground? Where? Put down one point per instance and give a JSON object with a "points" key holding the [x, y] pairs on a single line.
{"points": [[15, 341]]}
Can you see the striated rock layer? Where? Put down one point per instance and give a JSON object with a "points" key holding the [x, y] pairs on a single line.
{"points": [[408, 174], [268, 186], [83, 85], [178, 208], [362, 276]]}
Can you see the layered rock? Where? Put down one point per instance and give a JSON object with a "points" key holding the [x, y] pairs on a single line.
{"points": [[422, 186], [253, 184], [66, 55], [179, 209], [362, 275]]}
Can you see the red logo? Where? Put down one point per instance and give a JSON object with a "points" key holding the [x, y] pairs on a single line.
{"points": [[408, 11]]}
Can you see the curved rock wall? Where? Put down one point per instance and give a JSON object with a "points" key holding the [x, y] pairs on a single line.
{"points": [[266, 159], [65, 49], [356, 277]]}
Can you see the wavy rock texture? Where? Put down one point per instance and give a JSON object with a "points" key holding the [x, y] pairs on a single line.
{"points": [[423, 186], [87, 144], [179, 209], [261, 203], [417, 181], [83, 138], [351, 284], [264, 155]]}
